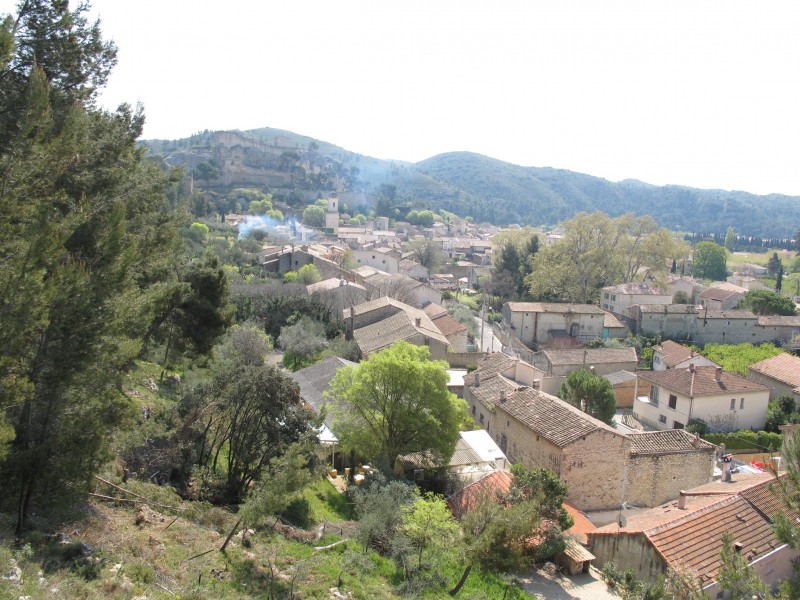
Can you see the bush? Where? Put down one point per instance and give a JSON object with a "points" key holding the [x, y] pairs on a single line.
{"points": [[697, 426], [746, 440]]}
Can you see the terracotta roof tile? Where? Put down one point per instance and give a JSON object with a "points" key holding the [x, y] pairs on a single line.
{"points": [[702, 382], [590, 356], [552, 418], [581, 525], [611, 322], [783, 367], [434, 310], [669, 441], [498, 482], [718, 294], [765, 501], [555, 307], [693, 544], [448, 325], [674, 353]]}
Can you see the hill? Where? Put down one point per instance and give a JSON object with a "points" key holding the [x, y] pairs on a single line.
{"points": [[470, 184]]}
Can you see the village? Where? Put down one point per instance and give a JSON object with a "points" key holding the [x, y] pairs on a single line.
{"points": [[645, 493]]}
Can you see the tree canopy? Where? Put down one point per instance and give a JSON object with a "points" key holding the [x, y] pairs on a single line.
{"points": [[710, 261], [396, 402], [86, 248], [591, 393], [767, 302]]}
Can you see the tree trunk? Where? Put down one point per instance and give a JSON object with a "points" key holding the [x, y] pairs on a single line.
{"points": [[461, 581]]}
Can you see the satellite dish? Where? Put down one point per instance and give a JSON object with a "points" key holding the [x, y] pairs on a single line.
{"points": [[621, 520]]}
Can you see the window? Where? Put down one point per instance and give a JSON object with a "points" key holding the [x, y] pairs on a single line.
{"points": [[733, 403], [673, 401], [741, 404], [503, 442], [473, 410], [662, 419], [605, 295], [677, 425], [653, 395], [481, 419]]}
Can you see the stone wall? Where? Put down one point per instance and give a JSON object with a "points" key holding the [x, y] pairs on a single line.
{"points": [[593, 469], [629, 551], [657, 478]]}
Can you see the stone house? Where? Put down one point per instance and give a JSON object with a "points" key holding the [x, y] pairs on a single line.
{"points": [[602, 467], [455, 332], [624, 385], [613, 327], [685, 535], [719, 298], [385, 259], [555, 365], [781, 373], [539, 323], [726, 401], [672, 355], [338, 293], [379, 323], [619, 298]]}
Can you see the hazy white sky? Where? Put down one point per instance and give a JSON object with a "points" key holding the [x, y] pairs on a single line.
{"points": [[705, 94]]}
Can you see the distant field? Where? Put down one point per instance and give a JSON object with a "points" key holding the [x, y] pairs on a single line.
{"points": [[738, 259]]}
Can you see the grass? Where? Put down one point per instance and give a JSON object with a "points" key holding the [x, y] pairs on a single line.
{"points": [[158, 557]]}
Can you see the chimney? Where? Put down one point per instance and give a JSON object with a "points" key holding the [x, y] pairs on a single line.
{"points": [[682, 500], [691, 367], [726, 460], [696, 440], [718, 376], [502, 396], [418, 321], [341, 281], [477, 379]]}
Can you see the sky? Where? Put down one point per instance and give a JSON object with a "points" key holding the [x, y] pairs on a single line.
{"points": [[704, 94]]}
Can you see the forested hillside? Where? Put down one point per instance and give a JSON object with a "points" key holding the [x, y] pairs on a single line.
{"points": [[470, 184]]}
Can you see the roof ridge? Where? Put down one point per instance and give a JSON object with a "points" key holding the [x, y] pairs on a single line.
{"points": [[682, 518]]}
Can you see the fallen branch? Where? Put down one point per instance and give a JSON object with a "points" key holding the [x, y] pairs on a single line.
{"points": [[115, 499], [329, 546], [147, 500], [170, 523], [165, 588], [199, 555]]}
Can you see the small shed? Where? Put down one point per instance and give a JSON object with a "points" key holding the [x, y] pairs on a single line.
{"points": [[575, 558]]}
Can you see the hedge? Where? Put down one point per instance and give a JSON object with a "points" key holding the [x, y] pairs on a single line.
{"points": [[746, 440]]}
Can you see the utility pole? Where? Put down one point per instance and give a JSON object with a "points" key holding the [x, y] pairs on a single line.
{"points": [[483, 322]]}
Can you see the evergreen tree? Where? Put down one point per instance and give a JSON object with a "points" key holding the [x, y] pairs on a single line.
{"points": [[774, 264], [83, 249]]}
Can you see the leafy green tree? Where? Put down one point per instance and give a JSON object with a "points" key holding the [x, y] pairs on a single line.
{"points": [[423, 218], [308, 274], [767, 302], [396, 402], [314, 216], [591, 393], [430, 529], [710, 261], [244, 344], [243, 419], [85, 245], [302, 341], [198, 232], [206, 171], [736, 576], [680, 297], [781, 411]]}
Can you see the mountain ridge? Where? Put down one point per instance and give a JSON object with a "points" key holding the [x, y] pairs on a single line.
{"points": [[472, 184]]}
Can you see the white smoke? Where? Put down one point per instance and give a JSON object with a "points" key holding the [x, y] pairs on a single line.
{"points": [[265, 222]]}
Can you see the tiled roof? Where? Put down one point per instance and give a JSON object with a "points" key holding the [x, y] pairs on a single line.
{"points": [[330, 284], [765, 501], [669, 441], [618, 377], [555, 307], [668, 309], [693, 544], [783, 367], [581, 525], [779, 321], [384, 333], [640, 289], [552, 418], [315, 380], [448, 325], [726, 314], [497, 362], [577, 552], [673, 353], [463, 455], [701, 382], [718, 294], [590, 356], [434, 310], [498, 482], [491, 389], [611, 322]]}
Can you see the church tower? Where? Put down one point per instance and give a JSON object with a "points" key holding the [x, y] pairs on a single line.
{"points": [[332, 214]]}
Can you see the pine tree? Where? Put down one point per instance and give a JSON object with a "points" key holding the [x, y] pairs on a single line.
{"points": [[82, 252]]}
